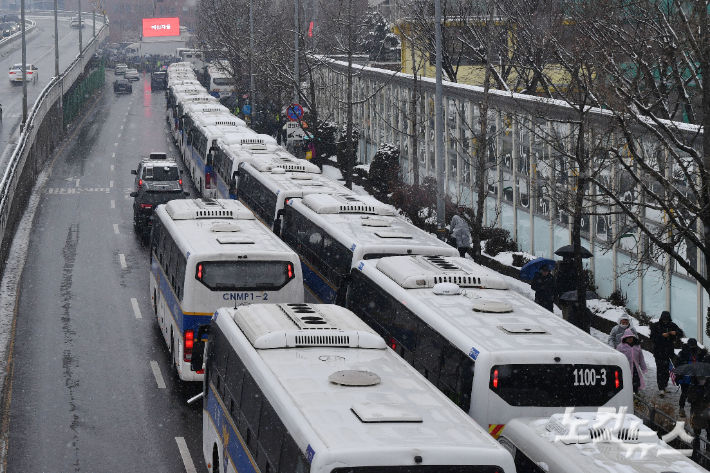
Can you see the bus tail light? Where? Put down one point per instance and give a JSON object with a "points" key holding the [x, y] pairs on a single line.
{"points": [[616, 379], [180, 182], [140, 182], [290, 270], [495, 378], [189, 342], [393, 343], [208, 180], [199, 272], [146, 206]]}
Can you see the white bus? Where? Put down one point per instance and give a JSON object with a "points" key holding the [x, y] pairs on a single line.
{"points": [[495, 353], [331, 233], [300, 388], [180, 95], [185, 108], [265, 188], [206, 254], [192, 115], [603, 442], [219, 82]]}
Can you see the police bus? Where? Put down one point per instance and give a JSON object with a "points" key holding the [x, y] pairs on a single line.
{"points": [[192, 117], [186, 108], [591, 442], [206, 254], [494, 352], [265, 188], [330, 233], [180, 96], [218, 81], [300, 388]]}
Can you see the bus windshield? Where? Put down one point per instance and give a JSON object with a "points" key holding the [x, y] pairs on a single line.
{"points": [[223, 81], [244, 275]]}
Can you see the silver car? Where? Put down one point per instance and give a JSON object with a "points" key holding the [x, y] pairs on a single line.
{"points": [[131, 74]]}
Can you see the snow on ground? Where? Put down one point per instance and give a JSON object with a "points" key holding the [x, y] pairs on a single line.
{"points": [[506, 257], [335, 174]]}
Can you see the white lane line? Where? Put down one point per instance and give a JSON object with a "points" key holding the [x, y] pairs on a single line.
{"points": [[115, 144], [136, 309], [115, 228], [158, 377], [112, 167], [121, 127], [119, 135], [77, 183], [185, 454], [122, 259], [113, 155], [110, 184], [113, 204]]}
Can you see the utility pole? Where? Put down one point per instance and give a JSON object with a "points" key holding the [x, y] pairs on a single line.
{"points": [[24, 65], [295, 61], [439, 132], [252, 84], [56, 42], [81, 48], [93, 13]]}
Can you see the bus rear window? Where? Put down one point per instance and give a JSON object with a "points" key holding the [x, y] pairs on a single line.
{"points": [[556, 385], [244, 275], [421, 469], [223, 81]]}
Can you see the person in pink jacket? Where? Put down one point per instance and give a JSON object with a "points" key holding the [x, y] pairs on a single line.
{"points": [[630, 347]]}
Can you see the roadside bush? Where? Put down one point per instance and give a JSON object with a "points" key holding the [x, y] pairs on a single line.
{"points": [[383, 177], [418, 203], [618, 298], [643, 318], [519, 260], [497, 240]]}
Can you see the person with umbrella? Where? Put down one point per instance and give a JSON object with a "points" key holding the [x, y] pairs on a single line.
{"points": [[544, 286], [630, 347], [699, 399], [663, 335], [689, 354]]}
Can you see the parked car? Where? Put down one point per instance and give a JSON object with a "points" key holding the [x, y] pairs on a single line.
{"points": [[75, 22], [15, 74], [148, 196], [122, 86], [131, 74], [158, 80], [9, 28], [120, 69]]}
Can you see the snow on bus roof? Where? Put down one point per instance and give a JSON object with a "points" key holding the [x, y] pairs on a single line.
{"points": [[281, 180], [486, 315], [322, 414]]}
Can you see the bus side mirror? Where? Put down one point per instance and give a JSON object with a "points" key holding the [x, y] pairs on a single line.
{"points": [[198, 355], [133, 171]]}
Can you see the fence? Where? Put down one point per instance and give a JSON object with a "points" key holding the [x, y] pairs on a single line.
{"points": [[521, 164], [42, 132]]}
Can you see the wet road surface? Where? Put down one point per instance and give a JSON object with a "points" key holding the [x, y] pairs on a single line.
{"points": [[85, 393]]}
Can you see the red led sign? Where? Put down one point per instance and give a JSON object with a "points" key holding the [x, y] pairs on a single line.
{"points": [[161, 27]]}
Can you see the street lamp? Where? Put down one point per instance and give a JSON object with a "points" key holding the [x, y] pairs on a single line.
{"points": [[439, 130]]}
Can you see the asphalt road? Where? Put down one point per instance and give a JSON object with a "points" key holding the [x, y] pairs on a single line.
{"points": [[84, 393], [40, 52]]}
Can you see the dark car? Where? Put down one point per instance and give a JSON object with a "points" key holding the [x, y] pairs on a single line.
{"points": [[157, 168], [158, 80], [147, 198], [8, 28], [122, 86], [11, 17]]}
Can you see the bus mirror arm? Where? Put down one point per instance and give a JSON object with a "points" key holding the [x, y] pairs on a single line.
{"points": [[196, 398]]}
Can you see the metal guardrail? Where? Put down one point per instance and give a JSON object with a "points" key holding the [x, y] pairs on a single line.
{"points": [[41, 134]]}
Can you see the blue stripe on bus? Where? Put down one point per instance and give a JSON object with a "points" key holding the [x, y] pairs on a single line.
{"points": [[182, 320], [235, 449], [317, 285], [222, 187]]}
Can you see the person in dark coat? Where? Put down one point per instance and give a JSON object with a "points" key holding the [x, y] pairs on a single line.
{"points": [[699, 399], [663, 335], [580, 316], [544, 286], [566, 276], [690, 353]]}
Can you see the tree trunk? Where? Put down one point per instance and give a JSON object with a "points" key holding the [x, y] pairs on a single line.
{"points": [[577, 220], [415, 118], [349, 131]]}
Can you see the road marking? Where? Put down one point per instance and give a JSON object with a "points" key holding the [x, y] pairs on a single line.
{"points": [[115, 228], [112, 167], [113, 204], [136, 309], [110, 184], [159, 378], [113, 155], [119, 135], [115, 144], [185, 454], [121, 127], [122, 259]]}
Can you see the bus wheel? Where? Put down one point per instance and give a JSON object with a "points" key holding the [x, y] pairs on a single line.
{"points": [[215, 459]]}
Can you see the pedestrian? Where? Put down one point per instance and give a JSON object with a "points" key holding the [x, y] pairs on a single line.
{"points": [[630, 347], [699, 399], [664, 333], [580, 316], [690, 353], [618, 331], [544, 286], [461, 232], [566, 276]]}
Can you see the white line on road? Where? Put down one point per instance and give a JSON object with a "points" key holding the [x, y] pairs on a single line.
{"points": [[119, 135], [112, 167], [110, 184], [115, 228], [113, 204], [113, 155], [185, 454], [136, 309], [115, 144], [121, 127], [122, 258], [158, 375]]}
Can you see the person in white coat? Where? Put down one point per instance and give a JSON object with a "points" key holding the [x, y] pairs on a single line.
{"points": [[461, 232], [617, 332]]}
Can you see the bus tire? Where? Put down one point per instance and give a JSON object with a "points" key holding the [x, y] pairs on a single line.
{"points": [[215, 459]]}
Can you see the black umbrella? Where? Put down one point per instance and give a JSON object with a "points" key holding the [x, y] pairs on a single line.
{"points": [[567, 251], [693, 369], [571, 296]]}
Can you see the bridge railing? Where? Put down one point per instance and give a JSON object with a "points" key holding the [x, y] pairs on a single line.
{"points": [[40, 136]]}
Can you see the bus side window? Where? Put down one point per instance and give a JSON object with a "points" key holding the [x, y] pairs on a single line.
{"points": [[430, 348], [155, 235], [250, 412], [234, 383], [219, 353], [292, 460], [523, 464], [180, 277], [271, 433]]}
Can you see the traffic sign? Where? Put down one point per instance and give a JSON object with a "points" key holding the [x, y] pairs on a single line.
{"points": [[294, 131], [246, 109], [294, 112]]}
